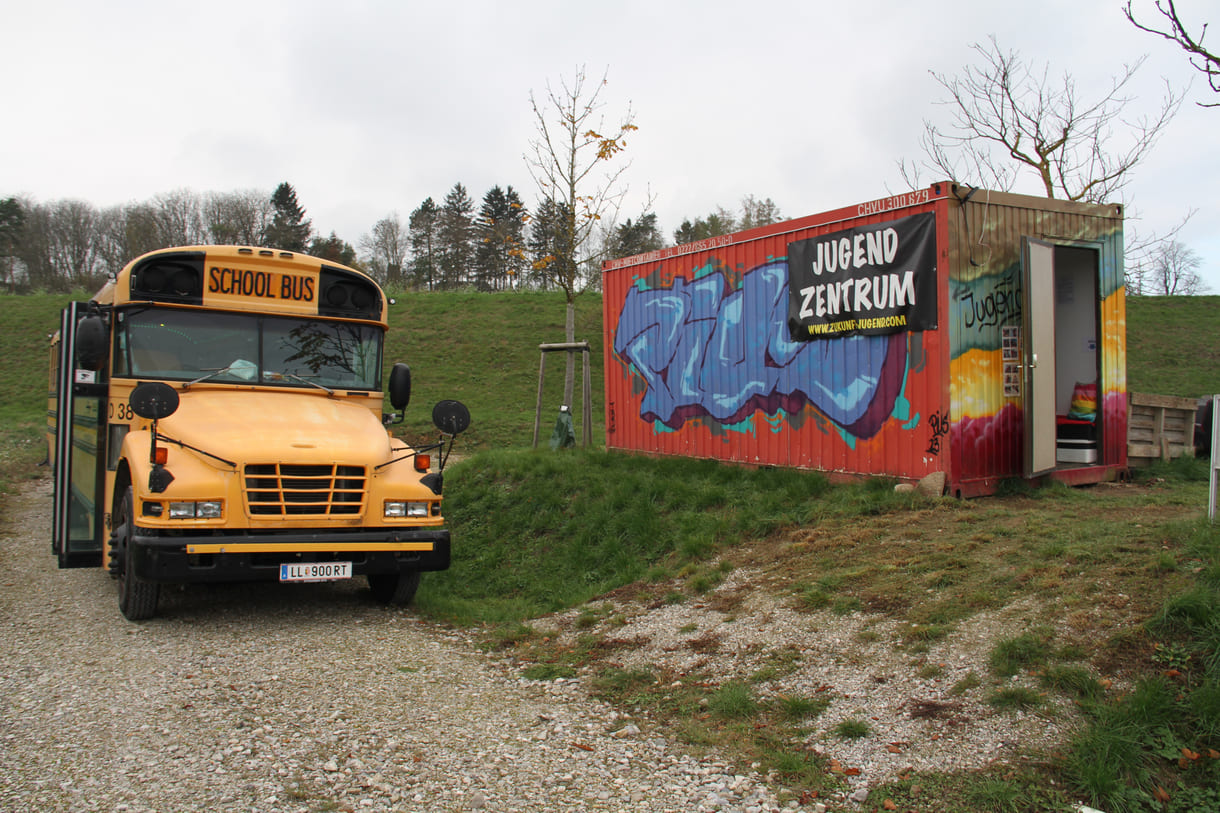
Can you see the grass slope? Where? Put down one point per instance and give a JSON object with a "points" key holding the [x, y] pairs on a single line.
{"points": [[482, 349], [1173, 345]]}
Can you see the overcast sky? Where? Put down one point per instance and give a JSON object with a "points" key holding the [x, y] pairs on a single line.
{"points": [[367, 107]]}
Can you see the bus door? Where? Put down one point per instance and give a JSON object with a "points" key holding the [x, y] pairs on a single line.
{"points": [[79, 452]]}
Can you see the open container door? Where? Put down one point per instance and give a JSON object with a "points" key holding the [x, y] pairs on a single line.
{"points": [[1038, 305]]}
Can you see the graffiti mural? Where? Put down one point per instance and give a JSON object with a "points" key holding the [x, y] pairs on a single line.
{"points": [[704, 348]]}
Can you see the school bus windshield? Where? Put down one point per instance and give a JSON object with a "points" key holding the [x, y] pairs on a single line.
{"points": [[243, 348]]}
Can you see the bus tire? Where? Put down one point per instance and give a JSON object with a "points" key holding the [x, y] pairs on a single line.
{"points": [[394, 588], [137, 598]]}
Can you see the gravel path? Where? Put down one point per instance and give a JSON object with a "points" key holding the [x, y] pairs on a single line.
{"points": [[296, 698]]}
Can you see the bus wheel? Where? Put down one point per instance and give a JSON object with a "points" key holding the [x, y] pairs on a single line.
{"points": [[137, 598], [394, 588]]}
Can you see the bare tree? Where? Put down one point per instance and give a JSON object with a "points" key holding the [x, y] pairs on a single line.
{"points": [[1204, 61], [1008, 117], [1142, 248], [74, 243], [33, 247], [1170, 270], [179, 218], [237, 218], [572, 160], [385, 250], [126, 232], [755, 212]]}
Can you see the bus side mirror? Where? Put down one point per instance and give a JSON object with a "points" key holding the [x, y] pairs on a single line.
{"points": [[91, 343], [153, 400], [451, 417], [400, 386]]}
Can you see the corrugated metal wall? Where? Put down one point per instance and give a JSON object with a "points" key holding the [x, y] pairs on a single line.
{"points": [[699, 361], [984, 290]]}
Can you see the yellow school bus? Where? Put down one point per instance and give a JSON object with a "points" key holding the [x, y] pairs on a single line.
{"points": [[215, 414]]}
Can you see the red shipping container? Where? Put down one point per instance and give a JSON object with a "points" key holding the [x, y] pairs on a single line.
{"points": [[949, 330]]}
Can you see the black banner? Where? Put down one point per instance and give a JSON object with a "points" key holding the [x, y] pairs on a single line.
{"points": [[869, 280]]}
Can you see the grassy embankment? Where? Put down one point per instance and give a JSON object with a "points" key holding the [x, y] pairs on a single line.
{"points": [[540, 531]]}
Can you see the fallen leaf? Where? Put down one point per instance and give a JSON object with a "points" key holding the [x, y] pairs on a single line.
{"points": [[1189, 754], [888, 804], [894, 748], [1161, 794], [1213, 753], [852, 772], [582, 746]]}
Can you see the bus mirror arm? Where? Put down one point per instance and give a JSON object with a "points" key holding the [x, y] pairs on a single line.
{"points": [[412, 454], [176, 442], [452, 418]]}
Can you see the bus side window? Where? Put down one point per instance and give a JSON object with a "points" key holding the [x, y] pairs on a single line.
{"points": [[120, 350]]}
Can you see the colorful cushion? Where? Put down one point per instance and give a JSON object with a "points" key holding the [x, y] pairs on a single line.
{"points": [[1084, 403]]}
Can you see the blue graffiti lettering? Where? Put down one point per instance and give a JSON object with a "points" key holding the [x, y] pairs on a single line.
{"points": [[702, 348]]}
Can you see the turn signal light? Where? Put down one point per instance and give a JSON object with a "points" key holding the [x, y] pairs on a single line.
{"points": [[423, 462], [161, 455]]}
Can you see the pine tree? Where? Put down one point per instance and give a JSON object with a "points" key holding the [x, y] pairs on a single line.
{"points": [[12, 219], [634, 237], [334, 249], [289, 230], [500, 240], [456, 237], [548, 240], [424, 229]]}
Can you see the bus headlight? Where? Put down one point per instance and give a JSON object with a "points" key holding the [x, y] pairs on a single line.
{"points": [[395, 509], [209, 509], [203, 509]]}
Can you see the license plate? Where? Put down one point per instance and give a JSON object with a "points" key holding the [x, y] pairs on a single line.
{"points": [[315, 571]]}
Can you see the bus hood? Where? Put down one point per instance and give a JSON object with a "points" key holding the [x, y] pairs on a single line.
{"points": [[269, 427]]}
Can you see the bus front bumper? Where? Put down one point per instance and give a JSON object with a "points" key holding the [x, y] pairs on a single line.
{"points": [[257, 557]]}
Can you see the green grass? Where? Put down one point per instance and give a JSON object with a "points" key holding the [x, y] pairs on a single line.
{"points": [[1013, 655], [24, 355], [1015, 698], [797, 708], [482, 349], [852, 729], [733, 700], [1171, 345], [542, 531]]}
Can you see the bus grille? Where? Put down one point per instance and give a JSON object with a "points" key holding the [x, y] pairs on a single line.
{"points": [[289, 490]]}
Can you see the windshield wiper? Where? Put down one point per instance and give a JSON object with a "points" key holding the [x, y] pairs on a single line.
{"points": [[296, 377], [211, 374]]}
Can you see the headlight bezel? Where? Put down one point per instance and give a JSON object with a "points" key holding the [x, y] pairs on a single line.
{"points": [[196, 509]]}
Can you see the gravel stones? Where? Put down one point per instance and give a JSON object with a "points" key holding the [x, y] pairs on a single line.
{"points": [[298, 698]]}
